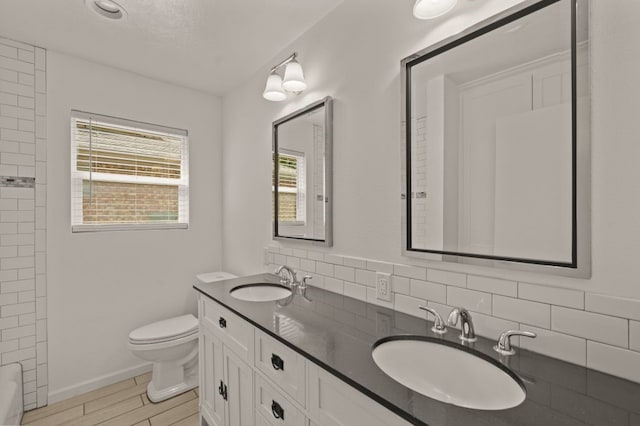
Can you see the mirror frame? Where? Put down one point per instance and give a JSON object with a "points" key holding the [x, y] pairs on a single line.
{"points": [[327, 103], [580, 265]]}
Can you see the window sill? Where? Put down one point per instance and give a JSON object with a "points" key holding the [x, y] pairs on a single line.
{"points": [[297, 223], [128, 227]]}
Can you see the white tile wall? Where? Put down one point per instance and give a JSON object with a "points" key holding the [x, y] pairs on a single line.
{"points": [[524, 311], [493, 285], [428, 291], [616, 306], [598, 331], [613, 360], [592, 326], [476, 301], [23, 323], [557, 345], [555, 296], [446, 277]]}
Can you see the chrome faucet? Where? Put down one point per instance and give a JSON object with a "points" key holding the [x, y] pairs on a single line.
{"points": [[503, 347], [287, 276], [466, 324], [438, 324]]}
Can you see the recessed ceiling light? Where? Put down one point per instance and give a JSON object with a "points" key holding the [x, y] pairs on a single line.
{"points": [[107, 8]]}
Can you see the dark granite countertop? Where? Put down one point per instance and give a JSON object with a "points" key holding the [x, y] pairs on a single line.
{"points": [[337, 333]]}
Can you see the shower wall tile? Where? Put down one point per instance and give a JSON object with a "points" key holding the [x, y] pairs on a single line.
{"points": [[23, 335]]}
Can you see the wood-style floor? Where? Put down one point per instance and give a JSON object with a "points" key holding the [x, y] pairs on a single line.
{"points": [[121, 404]]}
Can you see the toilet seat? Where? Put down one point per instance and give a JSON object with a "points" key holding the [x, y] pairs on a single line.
{"points": [[165, 331], [145, 346]]}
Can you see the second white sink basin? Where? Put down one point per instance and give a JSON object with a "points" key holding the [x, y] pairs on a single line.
{"points": [[449, 372], [264, 292]]}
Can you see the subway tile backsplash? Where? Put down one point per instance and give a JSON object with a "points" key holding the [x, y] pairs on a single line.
{"points": [[591, 330]]}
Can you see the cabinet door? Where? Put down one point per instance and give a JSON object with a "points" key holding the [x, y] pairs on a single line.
{"points": [[212, 404], [334, 403], [239, 381]]}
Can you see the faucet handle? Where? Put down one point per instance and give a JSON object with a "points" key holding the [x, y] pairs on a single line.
{"points": [[305, 281], [453, 316], [503, 347], [438, 326], [292, 276]]}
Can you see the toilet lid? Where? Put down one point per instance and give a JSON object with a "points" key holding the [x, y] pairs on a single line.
{"points": [[169, 329]]}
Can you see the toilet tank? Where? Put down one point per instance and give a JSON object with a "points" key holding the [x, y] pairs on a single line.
{"points": [[210, 277]]}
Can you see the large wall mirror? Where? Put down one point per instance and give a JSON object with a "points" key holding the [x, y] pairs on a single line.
{"points": [[496, 140], [301, 177]]}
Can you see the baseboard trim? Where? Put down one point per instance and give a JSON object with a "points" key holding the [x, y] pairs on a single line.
{"points": [[98, 382]]}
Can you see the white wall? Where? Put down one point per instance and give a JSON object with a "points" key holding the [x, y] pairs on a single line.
{"points": [[355, 57], [102, 285]]}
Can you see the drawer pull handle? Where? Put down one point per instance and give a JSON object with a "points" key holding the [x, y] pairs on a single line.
{"points": [[222, 390], [277, 410], [222, 322], [277, 362]]}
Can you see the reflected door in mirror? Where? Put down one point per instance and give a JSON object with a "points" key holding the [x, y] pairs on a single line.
{"points": [[491, 138]]}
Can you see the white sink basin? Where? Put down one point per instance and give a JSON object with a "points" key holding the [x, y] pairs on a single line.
{"points": [[260, 292], [449, 372]]}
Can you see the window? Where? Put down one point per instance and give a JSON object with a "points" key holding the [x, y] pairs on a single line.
{"points": [[127, 175], [291, 189]]}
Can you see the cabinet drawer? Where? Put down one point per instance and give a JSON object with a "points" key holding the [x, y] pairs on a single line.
{"points": [[235, 332], [285, 367], [261, 421], [273, 408]]}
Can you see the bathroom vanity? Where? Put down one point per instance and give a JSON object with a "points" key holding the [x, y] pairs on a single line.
{"points": [[307, 360]]}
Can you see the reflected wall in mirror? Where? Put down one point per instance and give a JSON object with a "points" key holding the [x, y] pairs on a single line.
{"points": [[496, 124], [301, 174]]}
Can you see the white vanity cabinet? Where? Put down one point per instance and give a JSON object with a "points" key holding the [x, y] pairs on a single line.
{"points": [[249, 378], [226, 378]]}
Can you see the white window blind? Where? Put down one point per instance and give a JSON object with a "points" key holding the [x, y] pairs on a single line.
{"points": [[127, 175], [291, 188]]}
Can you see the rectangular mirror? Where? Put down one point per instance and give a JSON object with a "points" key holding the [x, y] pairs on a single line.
{"points": [[301, 178], [496, 126]]}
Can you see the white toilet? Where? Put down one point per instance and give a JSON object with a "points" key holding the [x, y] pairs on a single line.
{"points": [[172, 346]]}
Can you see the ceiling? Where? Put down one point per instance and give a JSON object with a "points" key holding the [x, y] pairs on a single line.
{"points": [[207, 45]]}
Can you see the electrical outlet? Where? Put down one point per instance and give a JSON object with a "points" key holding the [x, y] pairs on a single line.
{"points": [[383, 286], [267, 257]]}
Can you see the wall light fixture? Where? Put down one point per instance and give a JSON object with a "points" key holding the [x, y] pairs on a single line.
{"points": [[106, 8], [429, 9], [293, 80]]}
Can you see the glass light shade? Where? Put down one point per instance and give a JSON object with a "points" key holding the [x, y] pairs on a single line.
{"points": [[294, 77], [429, 9], [108, 6], [273, 90]]}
